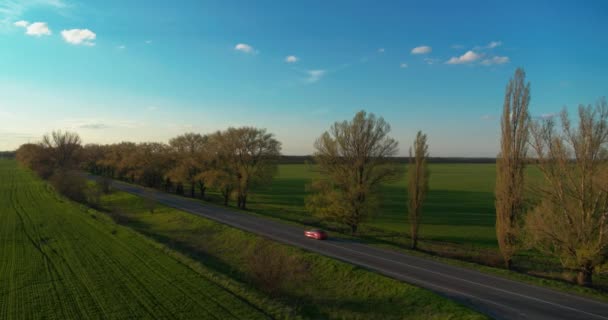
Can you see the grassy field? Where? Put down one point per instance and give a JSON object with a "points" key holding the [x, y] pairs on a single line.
{"points": [[459, 207], [59, 260], [326, 289]]}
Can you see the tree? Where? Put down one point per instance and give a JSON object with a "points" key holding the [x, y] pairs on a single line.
{"points": [[418, 184], [189, 152], [570, 221], [64, 148], [510, 165], [353, 159], [250, 156]]}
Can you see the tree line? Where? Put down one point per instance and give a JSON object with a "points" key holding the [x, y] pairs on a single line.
{"points": [[231, 161], [563, 216]]}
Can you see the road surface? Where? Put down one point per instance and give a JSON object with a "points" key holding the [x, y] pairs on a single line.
{"points": [[497, 297]]}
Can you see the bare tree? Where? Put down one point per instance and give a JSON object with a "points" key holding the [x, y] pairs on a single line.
{"points": [[64, 148], [418, 184], [510, 165], [353, 159], [570, 221]]}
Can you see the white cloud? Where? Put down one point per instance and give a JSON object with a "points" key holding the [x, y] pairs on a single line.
{"points": [[79, 36], [491, 45], [22, 23], [431, 60], [96, 123], [148, 41], [243, 47], [121, 47], [381, 50], [291, 59], [403, 65], [11, 10], [494, 44], [315, 75], [468, 57], [38, 29], [422, 50], [495, 60]]}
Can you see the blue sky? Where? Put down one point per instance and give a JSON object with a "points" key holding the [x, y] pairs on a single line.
{"points": [[117, 70]]}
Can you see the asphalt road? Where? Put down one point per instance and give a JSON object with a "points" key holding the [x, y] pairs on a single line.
{"points": [[495, 296]]}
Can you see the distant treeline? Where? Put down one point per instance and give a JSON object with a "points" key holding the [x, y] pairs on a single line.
{"points": [[309, 159], [7, 154]]}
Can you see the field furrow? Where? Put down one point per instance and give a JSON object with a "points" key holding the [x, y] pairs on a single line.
{"points": [[60, 260]]}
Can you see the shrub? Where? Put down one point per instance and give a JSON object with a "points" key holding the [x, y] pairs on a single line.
{"points": [[272, 268]]}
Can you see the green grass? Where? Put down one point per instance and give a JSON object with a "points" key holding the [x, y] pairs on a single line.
{"points": [[59, 260], [459, 207], [458, 221], [330, 290]]}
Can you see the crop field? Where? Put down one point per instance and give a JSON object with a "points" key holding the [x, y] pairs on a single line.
{"points": [[459, 207], [59, 260]]}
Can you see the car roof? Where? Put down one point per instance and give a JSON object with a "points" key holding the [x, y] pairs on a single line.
{"points": [[315, 230]]}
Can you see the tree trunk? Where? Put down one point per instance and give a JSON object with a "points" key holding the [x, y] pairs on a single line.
{"points": [[584, 277], [201, 185], [192, 189], [226, 198], [244, 202], [353, 229], [508, 263], [414, 239]]}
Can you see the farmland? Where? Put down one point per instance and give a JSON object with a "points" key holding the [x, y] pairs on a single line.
{"points": [[59, 260], [459, 208]]}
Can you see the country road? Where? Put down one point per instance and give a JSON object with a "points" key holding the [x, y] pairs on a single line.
{"points": [[497, 297]]}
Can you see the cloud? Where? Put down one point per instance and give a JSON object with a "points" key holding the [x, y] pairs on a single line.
{"points": [[468, 57], [457, 46], [495, 60], [148, 41], [94, 126], [98, 124], [315, 75], [36, 29], [403, 65], [11, 10], [79, 36], [291, 59], [422, 50], [121, 47], [494, 44], [243, 47], [431, 60], [22, 23], [381, 50], [491, 45]]}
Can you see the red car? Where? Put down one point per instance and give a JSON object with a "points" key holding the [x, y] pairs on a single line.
{"points": [[316, 234]]}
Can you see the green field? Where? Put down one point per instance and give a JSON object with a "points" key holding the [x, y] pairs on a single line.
{"points": [[459, 207], [59, 260], [327, 289]]}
